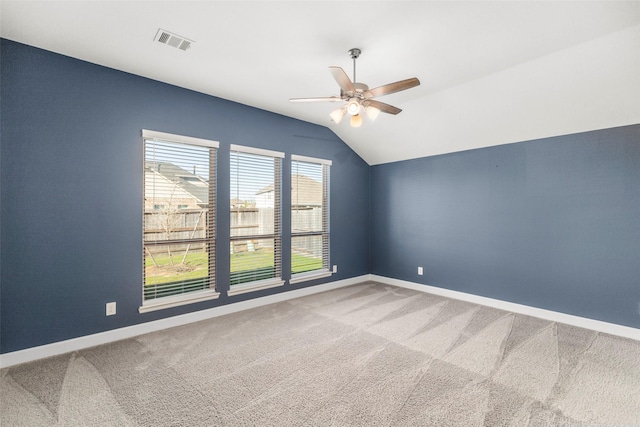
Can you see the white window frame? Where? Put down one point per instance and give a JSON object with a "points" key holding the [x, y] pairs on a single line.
{"points": [[325, 271], [253, 286], [195, 296]]}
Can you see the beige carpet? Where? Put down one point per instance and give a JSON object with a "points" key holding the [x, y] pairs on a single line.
{"points": [[365, 355]]}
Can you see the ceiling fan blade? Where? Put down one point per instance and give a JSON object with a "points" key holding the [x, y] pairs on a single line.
{"points": [[385, 108], [343, 80], [318, 99], [392, 88]]}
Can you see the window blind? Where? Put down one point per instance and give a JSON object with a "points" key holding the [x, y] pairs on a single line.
{"points": [[309, 216], [255, 191], [179, 215]]}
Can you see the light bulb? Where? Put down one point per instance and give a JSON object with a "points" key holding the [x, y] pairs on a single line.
{"points": [[337, 115], [372, 112], [356, 121], [353, 107]]}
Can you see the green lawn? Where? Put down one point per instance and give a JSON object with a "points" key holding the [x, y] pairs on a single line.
{"points": [[196, 266], [194, 258], [300, 264]]}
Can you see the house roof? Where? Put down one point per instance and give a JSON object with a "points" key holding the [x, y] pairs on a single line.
{"points": [[491, 72], [183, 179]]}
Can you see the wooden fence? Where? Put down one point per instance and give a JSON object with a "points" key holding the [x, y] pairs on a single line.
{"points": [[192, 224]]}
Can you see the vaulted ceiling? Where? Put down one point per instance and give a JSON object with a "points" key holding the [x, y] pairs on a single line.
{"points": [[492, 72]]}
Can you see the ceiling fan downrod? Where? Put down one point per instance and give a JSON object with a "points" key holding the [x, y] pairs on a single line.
{"points": [[355, 53]]}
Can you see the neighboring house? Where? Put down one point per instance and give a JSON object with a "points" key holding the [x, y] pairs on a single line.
{"points": [[306, 204], [173, 188], [305, 193], [175, 205]]}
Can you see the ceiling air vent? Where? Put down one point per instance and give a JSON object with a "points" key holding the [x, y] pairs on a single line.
{"points": [[165, 37]]}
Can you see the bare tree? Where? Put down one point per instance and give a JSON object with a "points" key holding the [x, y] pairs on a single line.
{"points": [[170, 219]]}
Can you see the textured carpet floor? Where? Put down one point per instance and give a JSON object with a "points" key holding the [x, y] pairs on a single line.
{"points": [[365, 355]]}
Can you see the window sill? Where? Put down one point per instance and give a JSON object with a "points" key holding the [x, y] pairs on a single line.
{"points": [[177, 300], [311, 275], [255, 286]]}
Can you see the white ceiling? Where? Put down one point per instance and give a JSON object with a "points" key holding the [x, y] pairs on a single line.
{"points": [[491, 72]]}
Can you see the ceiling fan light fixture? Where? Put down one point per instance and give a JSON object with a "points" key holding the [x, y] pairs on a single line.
{"points": [[337, 115], [372, 112], [353, 107], [356, 121]]}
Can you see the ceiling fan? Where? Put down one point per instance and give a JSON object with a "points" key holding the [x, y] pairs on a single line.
{"points": [[358, 95]]}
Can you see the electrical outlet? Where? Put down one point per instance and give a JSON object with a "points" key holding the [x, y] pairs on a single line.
{"points": [[420, 271], [335, 268], [111, 308]]}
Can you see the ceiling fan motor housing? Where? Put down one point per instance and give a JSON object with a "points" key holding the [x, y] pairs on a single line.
{"points": [[360, 89]]}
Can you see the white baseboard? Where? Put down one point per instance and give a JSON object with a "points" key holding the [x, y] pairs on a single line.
{"points": [[74, 344], [554, 316]]}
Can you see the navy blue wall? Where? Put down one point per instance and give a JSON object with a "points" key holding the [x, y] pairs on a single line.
{"points": [[552, 223], [71, 204]]}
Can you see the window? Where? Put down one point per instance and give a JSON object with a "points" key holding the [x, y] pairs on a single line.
{"points": [[309, 218], [179, 220], [255, 244]]}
